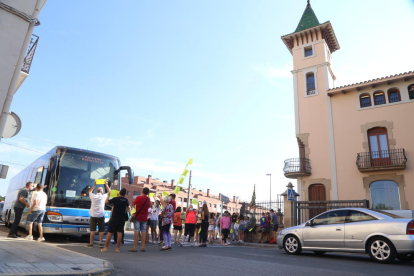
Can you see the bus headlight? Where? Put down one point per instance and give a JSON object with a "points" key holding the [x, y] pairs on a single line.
{"points": [[55, 217]]}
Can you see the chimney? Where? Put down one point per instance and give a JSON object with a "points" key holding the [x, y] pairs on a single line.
{"points": [[234, 199], [149, 179], [208, 192], [219, 196], [200, 190], [172, 182]]}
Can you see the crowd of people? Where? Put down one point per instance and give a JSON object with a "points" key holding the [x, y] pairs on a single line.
{"points": [[158, 216], [153, 217]]}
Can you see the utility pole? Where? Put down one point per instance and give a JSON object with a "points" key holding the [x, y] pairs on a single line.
{"points": [[189, 191]]}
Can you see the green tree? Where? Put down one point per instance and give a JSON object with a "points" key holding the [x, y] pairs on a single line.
{"points": [[2, 198]]}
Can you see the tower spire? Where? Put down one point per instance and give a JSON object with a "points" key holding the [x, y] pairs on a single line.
{"points": [[308, 19], [308, 5]]}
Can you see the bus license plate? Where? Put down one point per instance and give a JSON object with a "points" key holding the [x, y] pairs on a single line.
{"points": [[83, 229]]}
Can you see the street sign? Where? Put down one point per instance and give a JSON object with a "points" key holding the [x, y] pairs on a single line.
{"points": [[291, 195], [224, 198]]}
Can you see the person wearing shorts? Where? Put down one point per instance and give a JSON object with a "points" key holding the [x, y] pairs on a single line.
{"points": [[190, 223], [117, 221], [211, 227], [38, 212], [178, 225], [97, 213], [142, 204]]}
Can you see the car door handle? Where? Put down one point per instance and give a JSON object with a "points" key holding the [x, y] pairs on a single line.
{"points": [[338, 229]]}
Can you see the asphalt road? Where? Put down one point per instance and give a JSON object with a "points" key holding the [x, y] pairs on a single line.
{"points": [[231, 260]]}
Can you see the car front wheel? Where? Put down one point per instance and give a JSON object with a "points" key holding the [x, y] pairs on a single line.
{"points": [[292, 245], [406, 258], [382, 250]]}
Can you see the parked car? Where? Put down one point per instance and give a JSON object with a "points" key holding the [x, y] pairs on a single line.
{"points": [[384, 236]]}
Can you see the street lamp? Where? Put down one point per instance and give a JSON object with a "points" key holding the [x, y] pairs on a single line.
{"points": [[270, 189]]}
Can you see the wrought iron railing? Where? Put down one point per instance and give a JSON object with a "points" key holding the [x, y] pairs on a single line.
{"points": [[310, 88], [27, 62], [297, 165], [372, 159]]}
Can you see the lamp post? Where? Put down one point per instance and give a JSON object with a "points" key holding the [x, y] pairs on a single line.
{"points": [[270, 189]]}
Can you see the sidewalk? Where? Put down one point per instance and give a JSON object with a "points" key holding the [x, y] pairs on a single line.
{"points": [[26, 257]]}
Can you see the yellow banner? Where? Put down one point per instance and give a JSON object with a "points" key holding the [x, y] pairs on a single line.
{"points": [[194, 201], [165, 193], [177, 190], [181, 180], [151, 194], [190, 162], [185, 172], [114, 193]]}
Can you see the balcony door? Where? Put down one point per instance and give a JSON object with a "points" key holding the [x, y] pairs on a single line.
{"points": [[316, 193], [378, 146]]}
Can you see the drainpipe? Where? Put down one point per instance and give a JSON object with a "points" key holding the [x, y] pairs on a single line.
{"points": [[13, 82]]}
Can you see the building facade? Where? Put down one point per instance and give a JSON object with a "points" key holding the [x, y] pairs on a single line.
{"points": [[354, 141], [157, 186], [17, 48]]}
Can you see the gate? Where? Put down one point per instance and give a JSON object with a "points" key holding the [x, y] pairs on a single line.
{"points": [[305, 210]]}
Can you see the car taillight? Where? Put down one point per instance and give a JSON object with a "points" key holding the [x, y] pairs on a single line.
{"points": [[410, 228]]}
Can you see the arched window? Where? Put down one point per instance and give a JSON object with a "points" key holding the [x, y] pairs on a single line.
{"points": [[379, 98], [394, 95], [411, 91], [310, 84], [378, 145], [365, 100], [385, 195]]}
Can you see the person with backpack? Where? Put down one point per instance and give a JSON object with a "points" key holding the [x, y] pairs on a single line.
{"points": [[262, 226], [142, 204], [19, 205], [178, 225], [275, 224]]}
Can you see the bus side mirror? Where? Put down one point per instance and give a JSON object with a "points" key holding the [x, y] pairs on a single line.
{"points": [[130, 173]]}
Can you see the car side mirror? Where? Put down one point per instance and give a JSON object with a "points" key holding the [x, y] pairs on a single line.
{"points": [[309, 223]]}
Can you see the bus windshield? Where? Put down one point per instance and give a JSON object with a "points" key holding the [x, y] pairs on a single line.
{"points": [[77, 173]]}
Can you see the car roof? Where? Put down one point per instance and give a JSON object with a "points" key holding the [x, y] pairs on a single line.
{"points": [[365, 210]]}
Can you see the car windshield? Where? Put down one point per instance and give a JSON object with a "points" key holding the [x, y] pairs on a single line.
{"points": [[387, 214], [77, 174]]}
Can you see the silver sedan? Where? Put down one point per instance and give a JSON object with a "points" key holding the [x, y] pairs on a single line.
{"points": [[382, 235]]}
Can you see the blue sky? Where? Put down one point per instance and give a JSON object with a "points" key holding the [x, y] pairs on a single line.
{"points": [[158, 82]]}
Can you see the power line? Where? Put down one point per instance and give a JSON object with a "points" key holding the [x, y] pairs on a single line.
{"points": [[39, 139], [21, 147], [13, 163]]}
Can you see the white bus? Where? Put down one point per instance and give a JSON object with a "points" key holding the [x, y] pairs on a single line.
{"points": [[69, 173]]}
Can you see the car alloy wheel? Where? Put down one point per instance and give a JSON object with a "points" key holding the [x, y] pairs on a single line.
{"points": [[382, 250], [292, 245], [406, 258]]}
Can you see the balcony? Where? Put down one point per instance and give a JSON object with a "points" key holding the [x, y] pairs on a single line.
{"points": [[27, 62], [295, 167], [383, 160]]}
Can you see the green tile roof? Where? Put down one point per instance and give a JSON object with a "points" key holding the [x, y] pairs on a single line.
{"points": [[308, 20]]}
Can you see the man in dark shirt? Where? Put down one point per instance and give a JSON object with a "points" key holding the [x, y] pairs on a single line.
{"points": [[117, 221], [19, 205], [275, 223]]}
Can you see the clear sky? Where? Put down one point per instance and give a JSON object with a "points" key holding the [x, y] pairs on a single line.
{"points": [[158, 82]]}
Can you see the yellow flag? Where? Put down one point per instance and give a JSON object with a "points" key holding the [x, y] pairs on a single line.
{"points": [[199, 231], [185, 172], [133, 210], [177, 190], [114, 193], [190, 162], [194, 201], [165, 193], [181, 180], [151, 194]]}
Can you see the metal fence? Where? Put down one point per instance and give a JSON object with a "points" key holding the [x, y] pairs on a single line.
{"points": [[305, 210], [394, 157], [27, 62]]}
